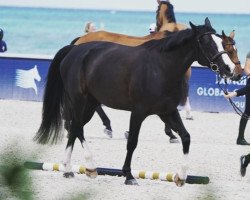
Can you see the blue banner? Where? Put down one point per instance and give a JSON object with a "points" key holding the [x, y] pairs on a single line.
{"points": [[206, 95], [24, 79]]}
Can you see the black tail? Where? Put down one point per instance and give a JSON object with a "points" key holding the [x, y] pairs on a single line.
{"points": [[50, 128]]}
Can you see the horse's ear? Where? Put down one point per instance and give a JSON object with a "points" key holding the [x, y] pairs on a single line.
{"points": [[207, 22], [192, 26], [223, 34], [232, 34]]}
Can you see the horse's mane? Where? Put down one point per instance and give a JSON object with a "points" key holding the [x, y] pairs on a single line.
{"points": [[171, 40], [169, 14]]}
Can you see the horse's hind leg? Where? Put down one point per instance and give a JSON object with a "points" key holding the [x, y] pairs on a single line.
{"points": [[136, 120], [87, 114], [169, 133], [83, 113], [105, 121], [68, 152], [176, 124]]}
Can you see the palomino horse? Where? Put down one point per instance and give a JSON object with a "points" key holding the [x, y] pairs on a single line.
{"points": [[145, 80]]}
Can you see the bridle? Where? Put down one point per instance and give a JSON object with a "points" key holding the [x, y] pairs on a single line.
{"points": [[214, 67]]}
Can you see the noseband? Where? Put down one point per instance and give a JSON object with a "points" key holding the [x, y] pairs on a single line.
{"points": [[214, 67]]}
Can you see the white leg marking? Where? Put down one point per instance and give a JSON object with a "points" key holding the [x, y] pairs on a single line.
{"points": [[67, 159], [187, 105], [88, 156], [184, 167]]}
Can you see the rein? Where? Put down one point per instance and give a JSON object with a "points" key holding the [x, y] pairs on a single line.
{"points": [[236, 109]]}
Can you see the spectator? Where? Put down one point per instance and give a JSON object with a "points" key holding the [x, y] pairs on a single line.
{"points": [[3, 46], [90, 27], [152, 28]]}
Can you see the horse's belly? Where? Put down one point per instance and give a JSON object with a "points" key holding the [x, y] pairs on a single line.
{"points": [[112, 98]]}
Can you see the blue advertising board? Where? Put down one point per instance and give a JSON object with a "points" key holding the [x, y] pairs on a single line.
{"points": [[23, 78], [206, 95]]}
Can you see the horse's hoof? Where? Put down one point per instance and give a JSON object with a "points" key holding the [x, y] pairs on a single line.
{"points": [[174, 140], [108, 132], [179, 182], [131, 182], [91, 173], [68, 175], [126, 135]]}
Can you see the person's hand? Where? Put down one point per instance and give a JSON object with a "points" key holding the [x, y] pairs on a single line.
{"points": [[230, 95]]}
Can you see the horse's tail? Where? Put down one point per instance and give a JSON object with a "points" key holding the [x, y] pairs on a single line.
{"points": [[185, 89], [51, 125]]}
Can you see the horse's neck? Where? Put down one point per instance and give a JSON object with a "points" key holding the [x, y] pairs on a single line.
{"points": [[182, 57]]}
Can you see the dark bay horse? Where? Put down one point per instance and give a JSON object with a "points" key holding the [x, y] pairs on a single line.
{"points": [[166, 22], [145, 80]]}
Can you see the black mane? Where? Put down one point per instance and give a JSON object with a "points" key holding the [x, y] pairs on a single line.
{"points": [[171, 40]]}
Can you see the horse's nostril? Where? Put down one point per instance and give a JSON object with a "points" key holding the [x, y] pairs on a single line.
{"points": [[237, 77]]}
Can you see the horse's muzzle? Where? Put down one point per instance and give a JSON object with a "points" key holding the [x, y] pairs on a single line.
{"points": [[236, 77]]}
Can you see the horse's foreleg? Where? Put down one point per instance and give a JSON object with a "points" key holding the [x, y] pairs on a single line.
{"points": [[187, 105], [136, 120], [175, 122]]}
